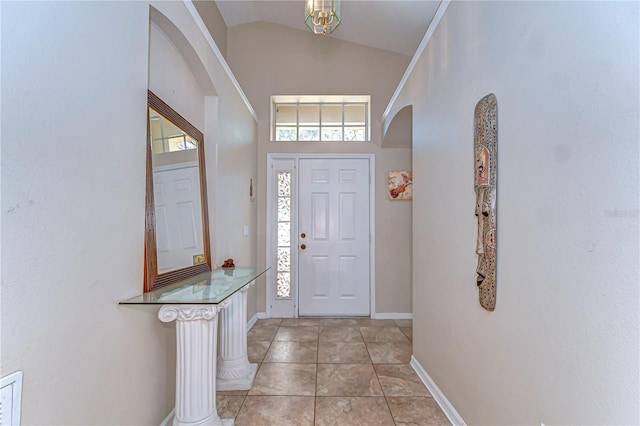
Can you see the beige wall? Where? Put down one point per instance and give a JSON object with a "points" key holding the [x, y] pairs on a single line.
{"points": [[171, 77], [73, 208], [399, 133], [393, 237], [269, 59], [212, 18], [562, 345]]}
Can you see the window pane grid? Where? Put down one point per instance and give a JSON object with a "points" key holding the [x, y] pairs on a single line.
{"points": [[286, 133], [331, 122], [283, 247]]}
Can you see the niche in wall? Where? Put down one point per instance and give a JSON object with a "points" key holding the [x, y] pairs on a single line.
{"points": [[399, 134]]}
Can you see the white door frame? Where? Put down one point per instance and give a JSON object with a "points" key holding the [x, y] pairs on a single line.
{"points": [[271, 236]]}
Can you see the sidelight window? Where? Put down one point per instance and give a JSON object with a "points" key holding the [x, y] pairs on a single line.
{"points": [[283, 251]]}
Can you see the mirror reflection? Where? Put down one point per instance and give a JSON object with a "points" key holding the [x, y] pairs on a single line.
{"points": [[177, 231], [166, 137], [176, 190]]}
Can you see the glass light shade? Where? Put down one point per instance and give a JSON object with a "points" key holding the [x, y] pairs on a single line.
{"points": [[322, 16]]}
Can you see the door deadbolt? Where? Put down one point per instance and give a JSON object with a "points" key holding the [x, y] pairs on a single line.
{"points": [[302, 247], [303, 235]]}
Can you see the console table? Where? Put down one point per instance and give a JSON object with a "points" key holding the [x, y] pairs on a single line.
{"points": [[194, 304]]}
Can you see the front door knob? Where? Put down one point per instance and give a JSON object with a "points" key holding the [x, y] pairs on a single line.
{"points": [[302, 247]]}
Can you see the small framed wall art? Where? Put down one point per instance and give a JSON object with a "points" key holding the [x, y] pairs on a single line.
{"points": [[400, 185]]}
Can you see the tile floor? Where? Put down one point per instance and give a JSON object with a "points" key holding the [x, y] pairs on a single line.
{"points": [[331, 371]]}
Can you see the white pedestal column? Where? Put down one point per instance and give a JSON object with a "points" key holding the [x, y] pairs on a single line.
{"points": [[234, 370], [196, 329]]}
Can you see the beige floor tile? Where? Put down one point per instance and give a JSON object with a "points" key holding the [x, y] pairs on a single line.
{"points": [[267, 321], [232, 393], [300, 352], [276, 410], [347, 380], [228, 405], [343, 352], [296, 334], [400, 380], [383, 334], [340, 334], [377, 323], [390, 353], [355, 411], [300, 322], [408, 331], [325, 323], [257, 349], [262, 332], [404, 323], [285, 379], [416, 411], [345, 388]]}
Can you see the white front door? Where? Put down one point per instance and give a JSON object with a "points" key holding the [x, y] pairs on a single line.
{"points": [[333, 237]]}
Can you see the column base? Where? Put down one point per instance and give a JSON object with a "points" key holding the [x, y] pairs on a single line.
{"points": [[243, 383]]}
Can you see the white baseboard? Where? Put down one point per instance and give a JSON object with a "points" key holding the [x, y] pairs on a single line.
{"points": [[437, 394], [252, 321], [168, 421], [256, 317], [391, 315]]}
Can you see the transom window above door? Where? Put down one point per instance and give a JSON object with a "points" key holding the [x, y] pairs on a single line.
{"points": [[320, 118]]}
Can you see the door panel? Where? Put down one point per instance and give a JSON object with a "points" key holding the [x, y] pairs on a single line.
{"points": [[347, 216], [346, 288], [320, 276], [320, 216], [334, 215], [187, 223]]}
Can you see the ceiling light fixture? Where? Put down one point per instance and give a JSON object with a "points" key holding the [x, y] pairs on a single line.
{"points": [[322, 16]]}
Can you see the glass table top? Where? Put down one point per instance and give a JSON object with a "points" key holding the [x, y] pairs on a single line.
{"points": [[206, 288]]}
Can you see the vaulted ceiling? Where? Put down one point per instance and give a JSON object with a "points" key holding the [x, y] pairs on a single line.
{"points": [[395, 25]]}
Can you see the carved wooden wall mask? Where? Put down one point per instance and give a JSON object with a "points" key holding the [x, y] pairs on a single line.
{"points": [[485, 147]]}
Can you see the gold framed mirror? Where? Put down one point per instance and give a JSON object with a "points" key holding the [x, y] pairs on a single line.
{"points": [[176, 222]]}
